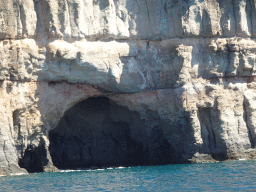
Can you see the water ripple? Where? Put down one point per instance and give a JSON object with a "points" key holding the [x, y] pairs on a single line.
{"points": [[222, 176]]}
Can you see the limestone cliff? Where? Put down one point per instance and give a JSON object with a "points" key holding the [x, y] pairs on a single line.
{"points": [[92, 83]]}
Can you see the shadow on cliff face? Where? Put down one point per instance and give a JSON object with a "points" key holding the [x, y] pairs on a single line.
{"points": [[35, 159], [98, 133]]}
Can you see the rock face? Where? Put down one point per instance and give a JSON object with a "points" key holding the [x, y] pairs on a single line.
{"points": [[94, 83]]}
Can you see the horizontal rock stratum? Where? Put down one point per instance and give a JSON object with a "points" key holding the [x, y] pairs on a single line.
{"points": [[96, 83]]}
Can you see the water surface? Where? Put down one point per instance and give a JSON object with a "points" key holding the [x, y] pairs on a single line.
{"points": [[222, 176]]}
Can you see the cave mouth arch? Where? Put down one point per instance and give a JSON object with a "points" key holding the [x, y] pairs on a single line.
{"points": [[97, 132]]}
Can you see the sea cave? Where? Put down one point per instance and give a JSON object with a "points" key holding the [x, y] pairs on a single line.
{"points": [[97, 132]]}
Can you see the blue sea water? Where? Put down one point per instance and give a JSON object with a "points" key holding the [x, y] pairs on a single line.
{"points": [[222, 176]]}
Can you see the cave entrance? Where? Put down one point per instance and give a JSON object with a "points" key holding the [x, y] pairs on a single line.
{"points": [[97, 132]]}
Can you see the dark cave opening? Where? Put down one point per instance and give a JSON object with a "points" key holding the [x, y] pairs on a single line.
{"points": [[34, 159], [97, 132]]}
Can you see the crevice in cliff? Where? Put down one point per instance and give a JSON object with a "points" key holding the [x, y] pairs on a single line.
{"points": [[213, 133], [35, 158], [207, 132], [251, 22], [97, 132], [233, 4], [23, 20], [148, 15], [16, 122], [5, 154], [248, 128]]}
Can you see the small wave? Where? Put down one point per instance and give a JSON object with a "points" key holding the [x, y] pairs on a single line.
{"points": [[70, 170], [19, 174], [15, 174], [242, 159], [92, 169], [110, 168]]}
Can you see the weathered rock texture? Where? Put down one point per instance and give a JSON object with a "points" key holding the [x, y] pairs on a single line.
{"points": [[91, 83]]}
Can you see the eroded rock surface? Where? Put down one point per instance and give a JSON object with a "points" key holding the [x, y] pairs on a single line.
{"points": [[177, 78], [122, 19]]}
